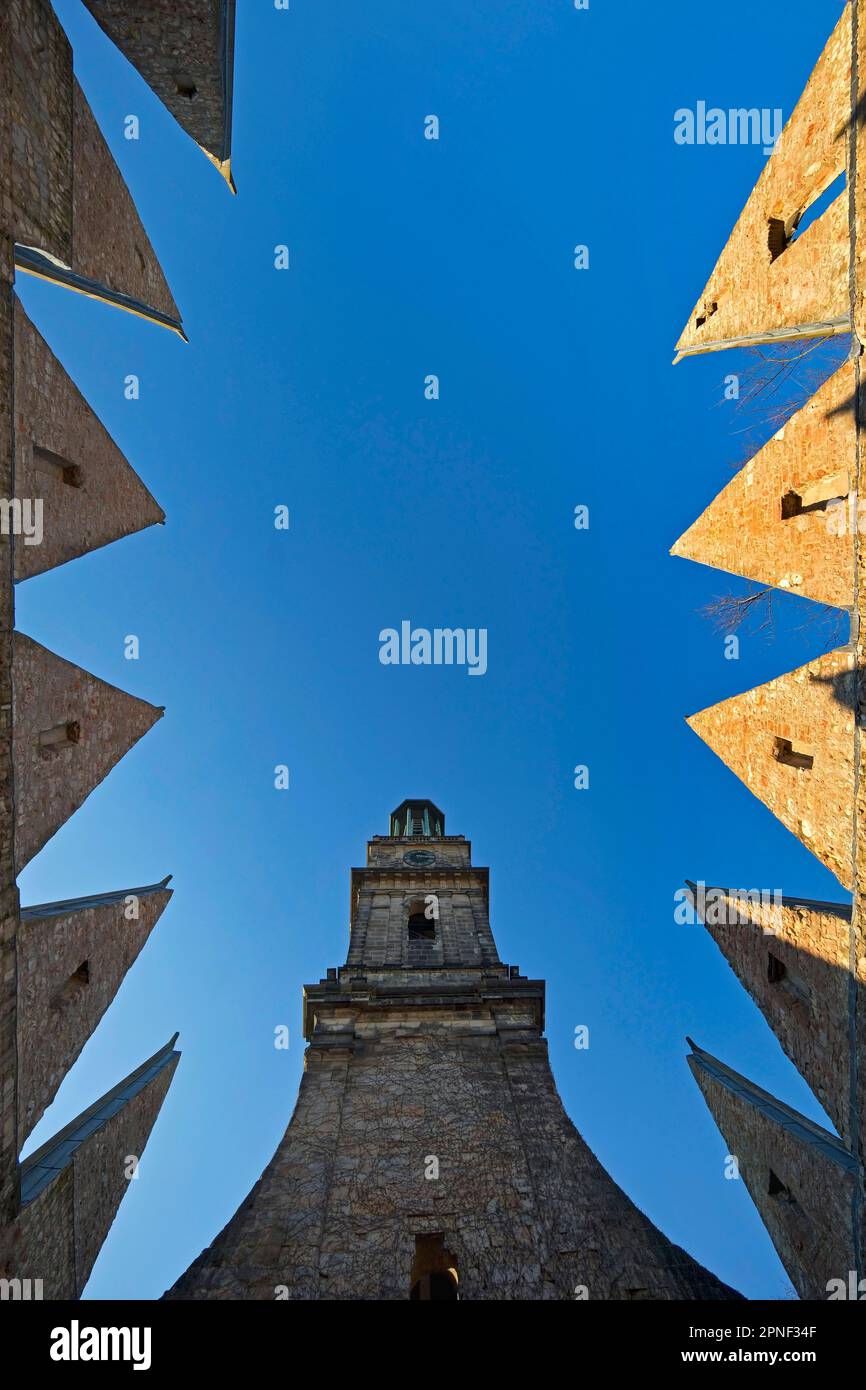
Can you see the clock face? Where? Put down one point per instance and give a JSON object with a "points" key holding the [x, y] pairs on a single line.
{"points": [[419, 858]]}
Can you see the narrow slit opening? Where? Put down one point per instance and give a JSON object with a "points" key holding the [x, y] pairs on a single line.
{"points": [[56, 466]]}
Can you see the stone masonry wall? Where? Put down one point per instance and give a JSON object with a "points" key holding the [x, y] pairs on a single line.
{"points": [[8, 887], [36, 126], [51, 782], [57, 1236], [177, 51], [797, 973], [805, 1204], [104, 499], [521, 1203], [58, 1011], [811, 708], [810, 553], [109, 242], [749, 291]]}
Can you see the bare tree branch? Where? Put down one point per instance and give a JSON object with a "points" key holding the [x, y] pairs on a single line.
{"points": [[755, 612], [781, 379], [728, 612]]}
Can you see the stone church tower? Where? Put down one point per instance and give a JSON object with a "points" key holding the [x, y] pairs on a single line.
{"points": [[429, 1155]]}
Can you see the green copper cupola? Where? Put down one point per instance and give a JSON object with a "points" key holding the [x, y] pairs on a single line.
{"points": [[418, 817]]}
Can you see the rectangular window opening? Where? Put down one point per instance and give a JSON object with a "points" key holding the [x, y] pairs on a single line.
{"points": [[783, 231], [60, 736], [785, 752], [46, 461], [776, 971], [815, 496]]}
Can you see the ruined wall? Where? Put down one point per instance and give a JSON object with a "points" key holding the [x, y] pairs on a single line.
{"points": [[857, 185], [65, 457], [100, 1169], [8, 886], [794, 962], [36, 124], [750, 294], [67, 217], [811, 710], [179, 52], [791, 519], [799, 1177], [53, 778], [811, 552], [36, 208], [58, 1234], [71, 964], [40, 1244], [109, 242]]}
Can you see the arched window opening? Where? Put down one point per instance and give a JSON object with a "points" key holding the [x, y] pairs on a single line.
{"points": [[434, 1271]]}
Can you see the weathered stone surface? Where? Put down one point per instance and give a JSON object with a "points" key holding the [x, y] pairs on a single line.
{"points": [[65, 214], [793, 959], [109, 243], [857, 180], [8, 887], [452, 850], [70, 729], [73, 1185], [427, 1054], [108, 256], [767, 737], [799, 1176], [797, 742], [785, 520], [35, 128], [185, 54], [65, 458], [72, 958], [751, 293], [379, 925], [522, 1203]]}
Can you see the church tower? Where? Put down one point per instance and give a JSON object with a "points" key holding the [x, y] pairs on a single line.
{"points": [[429, 1155]]}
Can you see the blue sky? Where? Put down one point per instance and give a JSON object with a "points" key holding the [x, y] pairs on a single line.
{"points": [[305, 388]]}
